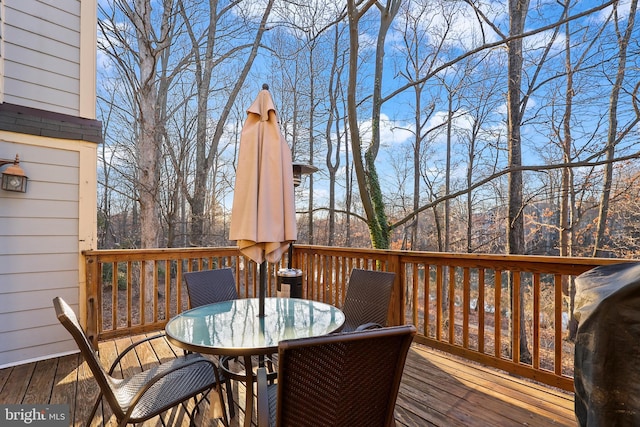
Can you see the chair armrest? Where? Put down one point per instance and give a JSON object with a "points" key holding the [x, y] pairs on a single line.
{"points": [[370, 325], [131, 347], [262, 397]]}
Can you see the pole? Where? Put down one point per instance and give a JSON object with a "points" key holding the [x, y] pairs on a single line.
{"points": [[263, 287]]}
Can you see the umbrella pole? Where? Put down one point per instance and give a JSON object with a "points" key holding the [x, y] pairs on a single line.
{"points": [[263, 287]]}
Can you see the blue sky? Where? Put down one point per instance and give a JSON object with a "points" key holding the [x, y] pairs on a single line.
{"points": [[397, 126]]}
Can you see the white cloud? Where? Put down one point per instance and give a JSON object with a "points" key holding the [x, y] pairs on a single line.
{"points": [[535, 44], [624, 7], [454, 19], [391, 131]]}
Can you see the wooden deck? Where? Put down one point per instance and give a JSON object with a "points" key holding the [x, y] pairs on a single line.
{"points": [[437, 390]]}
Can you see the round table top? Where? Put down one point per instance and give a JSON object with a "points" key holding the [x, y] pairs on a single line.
{"points": [[234, 328]]}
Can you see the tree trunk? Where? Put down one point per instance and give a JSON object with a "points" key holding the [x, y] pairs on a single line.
{"points": [[366, 173], [515, 220], [599, 249], [447, 173], [149, 137], [333, 153], [205, 156]]}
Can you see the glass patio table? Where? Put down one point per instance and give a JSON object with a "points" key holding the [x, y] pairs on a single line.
{"points": [[233, 328]]}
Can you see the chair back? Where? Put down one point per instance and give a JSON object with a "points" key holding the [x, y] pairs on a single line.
{"points": [[347, 379], [367, 298], [209, 286], [68, 318]]}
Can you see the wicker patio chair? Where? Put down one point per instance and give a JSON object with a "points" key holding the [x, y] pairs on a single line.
{"points": [[346, 379], [366, 303], [208, 287], [148, 393]]}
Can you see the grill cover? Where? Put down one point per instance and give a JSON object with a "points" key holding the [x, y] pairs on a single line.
{"points": [[607, 348]]}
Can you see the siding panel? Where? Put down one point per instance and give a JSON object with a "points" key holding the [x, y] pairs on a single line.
{"points": [[39, 252], [11, 264], [22, 320], [40, 155], [28, 282], [33, 245], [37, 300], [39, 336], [64, 82], [62, 345], [36, 34], [25, 208], [42, 337], [27, 227], [37, 18], [30, 95], [45, 37], [49, 194]]}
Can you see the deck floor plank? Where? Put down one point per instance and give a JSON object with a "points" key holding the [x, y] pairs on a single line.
{"points": [[437, 390], [444, 392], [499, 392], [66, 382], [446, 407], [88, 391], [484, 378], [108, 353], [4, 376], [17, 383], [41, 383]]}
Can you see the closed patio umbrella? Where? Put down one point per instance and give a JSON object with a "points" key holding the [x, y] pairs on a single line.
{"points": [[263, 216]]}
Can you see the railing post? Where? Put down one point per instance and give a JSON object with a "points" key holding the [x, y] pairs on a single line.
{"points": [[397, 307], [92, 281]]}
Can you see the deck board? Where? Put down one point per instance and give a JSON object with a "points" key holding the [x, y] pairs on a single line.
{"points": [[41, 384], [437, 390], [459, 389], [66, 382], [17, 383]]}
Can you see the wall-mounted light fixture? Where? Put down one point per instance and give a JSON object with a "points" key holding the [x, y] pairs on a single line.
{"points": [[13, 177], [300, 169]]}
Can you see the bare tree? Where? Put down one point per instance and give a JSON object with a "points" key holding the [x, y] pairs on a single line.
{"points": [[364, 163], [150, 35], [612, 134], [334, 129], [420, 57], [205, 60]]}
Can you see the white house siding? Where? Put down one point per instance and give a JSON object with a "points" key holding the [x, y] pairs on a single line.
{"points": [[41, 54], [47, 116], [42, 234]]}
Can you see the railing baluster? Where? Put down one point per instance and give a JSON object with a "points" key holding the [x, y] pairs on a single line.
{"points": [[466, 295], [497, 316], [536, 321], [452, 301], [415, 302], [557, 324], [439, 301], [427, 299], [480, 307], [129, 294], [114, 295], [516, 304]]}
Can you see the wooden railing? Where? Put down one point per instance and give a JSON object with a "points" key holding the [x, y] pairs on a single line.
{"points": [[451, 298]]}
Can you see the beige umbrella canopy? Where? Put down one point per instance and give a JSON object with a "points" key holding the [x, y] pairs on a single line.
{"points": [[263, 216]]}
